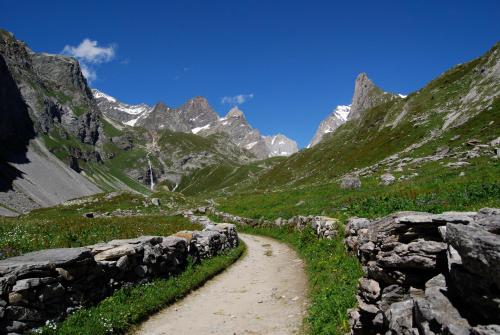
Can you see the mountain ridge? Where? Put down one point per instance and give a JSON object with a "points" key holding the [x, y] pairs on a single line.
{"points": [[365, 96], [198, 117]]}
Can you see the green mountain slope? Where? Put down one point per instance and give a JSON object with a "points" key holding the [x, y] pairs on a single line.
{"points": [[455, 118]]}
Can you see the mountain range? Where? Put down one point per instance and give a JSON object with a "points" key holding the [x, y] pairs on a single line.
{"points": [[196, 116], [60, 139]]}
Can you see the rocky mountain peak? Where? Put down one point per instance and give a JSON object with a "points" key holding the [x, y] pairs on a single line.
{"points": [[196, 116], [365, 96], [280, 145], [336, 118], [161, 106], [196, 103], [235, 112], [197, 112]]}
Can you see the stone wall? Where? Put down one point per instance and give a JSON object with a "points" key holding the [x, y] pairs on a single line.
{"points": [[49, 284], [324, 227], [427, 274]]}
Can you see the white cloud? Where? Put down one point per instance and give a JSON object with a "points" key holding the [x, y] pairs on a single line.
{"points": [[89, 53], [237, 99], [88, 73]]}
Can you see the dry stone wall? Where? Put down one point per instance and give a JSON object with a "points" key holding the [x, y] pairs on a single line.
{"points": [[323, 226], [427, 273], [49, 284]]}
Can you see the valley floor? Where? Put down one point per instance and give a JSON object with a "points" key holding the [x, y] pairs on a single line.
{"points": [[263, 293]]}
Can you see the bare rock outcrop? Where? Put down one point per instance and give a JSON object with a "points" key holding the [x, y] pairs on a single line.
{"points": [[427, 273], [366, 95]]}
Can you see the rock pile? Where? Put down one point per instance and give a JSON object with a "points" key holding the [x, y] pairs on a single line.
{"points": [[324, 227], [427, 274], [49, 284]]}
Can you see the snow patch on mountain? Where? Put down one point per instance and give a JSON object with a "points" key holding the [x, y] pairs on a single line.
{"points": [[198, 129], [336, 118], [197, 117]]}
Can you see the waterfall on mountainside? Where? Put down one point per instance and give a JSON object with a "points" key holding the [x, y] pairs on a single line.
{"points": [[151, 176]]}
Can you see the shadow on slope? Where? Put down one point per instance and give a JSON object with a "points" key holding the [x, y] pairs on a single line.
{"points": [[16, 128]]}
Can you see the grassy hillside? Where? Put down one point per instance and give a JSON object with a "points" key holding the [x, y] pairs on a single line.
{"points": [[117, 216], [461, 105]]}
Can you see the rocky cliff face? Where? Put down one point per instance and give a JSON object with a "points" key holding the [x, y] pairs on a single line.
{"points": [[197, 117], [366, 95], [53, 89], [336, 118], [280, 145], [42, 96]]}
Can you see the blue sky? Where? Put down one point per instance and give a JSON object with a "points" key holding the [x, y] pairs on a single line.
{"points": [[292, 61]]}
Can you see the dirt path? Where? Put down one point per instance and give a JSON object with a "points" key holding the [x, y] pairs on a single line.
{"points": [[263, 293]]}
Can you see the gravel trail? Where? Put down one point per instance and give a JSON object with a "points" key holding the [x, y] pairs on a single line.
{"points": [[262, 293]]}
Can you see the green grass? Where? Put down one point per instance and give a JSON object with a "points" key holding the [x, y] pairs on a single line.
{"points": [[32, 232], [129, 306], [435, 189], [332, 276]]}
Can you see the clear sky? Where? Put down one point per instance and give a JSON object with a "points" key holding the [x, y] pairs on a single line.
{"points": [[292, 61]]}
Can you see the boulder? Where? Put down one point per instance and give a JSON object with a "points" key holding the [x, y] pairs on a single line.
{"points": [[475, 271], [350, 182], [368, 289], [399, 317], [387, 179], [435, 313]]}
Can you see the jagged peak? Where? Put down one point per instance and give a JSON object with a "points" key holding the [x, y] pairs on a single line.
{"points": [[235, 112], [161, 105], [198, 99], [101, 95], [366, 95]]}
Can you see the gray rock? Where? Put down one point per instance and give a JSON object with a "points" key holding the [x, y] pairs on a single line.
{"points": [[387, 179], [155, 201], [478, 249], [436, 313], [115, 253], [350, 182], [366, 308], [369, 289], [44, 259], [26, 284], [399, 317], [123, 263], [442, 151], [475, 269], [391, 294], [366, 95], [420, 254], [486, 330]]}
